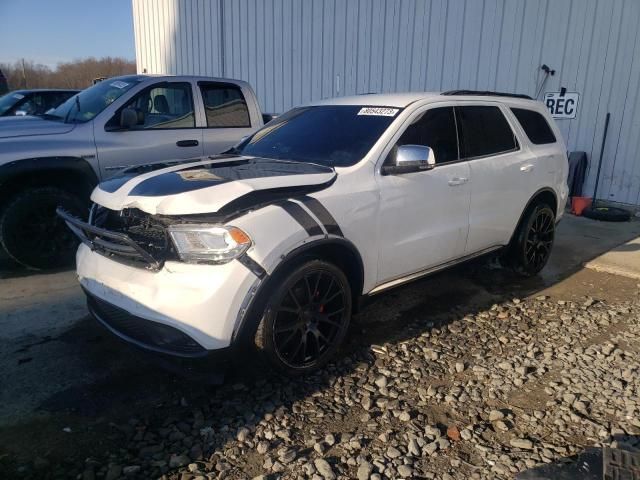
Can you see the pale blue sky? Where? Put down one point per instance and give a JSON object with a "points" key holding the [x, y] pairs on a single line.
{"points": [[52, 31]]}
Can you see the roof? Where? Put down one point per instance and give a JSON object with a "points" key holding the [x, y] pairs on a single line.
{"points": [[32, 90], [402, 100]]}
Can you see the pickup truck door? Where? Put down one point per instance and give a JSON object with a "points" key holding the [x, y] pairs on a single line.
{"points": [[166, 129], [229, 114], [424, 216]]}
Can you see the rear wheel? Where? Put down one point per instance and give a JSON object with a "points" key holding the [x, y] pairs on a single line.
{"points": [[306, 318], [32, 234], [531, 247]]}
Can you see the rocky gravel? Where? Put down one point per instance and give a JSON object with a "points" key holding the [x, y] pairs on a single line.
{"points": [[477, 395]]}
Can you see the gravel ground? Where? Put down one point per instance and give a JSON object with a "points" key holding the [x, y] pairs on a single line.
{"points": [[460, 393]]}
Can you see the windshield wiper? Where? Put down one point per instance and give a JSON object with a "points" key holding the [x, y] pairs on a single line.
{"points": [[50, 116]]}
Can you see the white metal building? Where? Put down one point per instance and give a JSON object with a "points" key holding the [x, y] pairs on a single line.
{"points": [[295, 51]]}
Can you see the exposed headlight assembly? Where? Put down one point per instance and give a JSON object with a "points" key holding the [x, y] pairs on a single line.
{"points": [[208, 243]]}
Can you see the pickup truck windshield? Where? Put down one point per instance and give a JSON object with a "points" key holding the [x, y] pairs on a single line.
{"points": [[332, 135], [90, 102]]}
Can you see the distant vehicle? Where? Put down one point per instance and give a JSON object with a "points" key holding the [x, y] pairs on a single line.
{"points": [[59, 157], [4, 86], [33, 102], [274, 243]]}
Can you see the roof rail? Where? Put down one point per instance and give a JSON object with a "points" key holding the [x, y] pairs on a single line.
{"points": [[486, 94]]}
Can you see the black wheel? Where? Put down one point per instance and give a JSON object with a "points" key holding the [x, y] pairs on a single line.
{"points": [[607, 214], [531, 247], [306, 318], [32, 234]]}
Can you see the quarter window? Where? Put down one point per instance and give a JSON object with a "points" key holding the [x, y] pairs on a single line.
{"points": [[165, 106], [535, 126], [225, 106], [484, 131], [436, 128]]}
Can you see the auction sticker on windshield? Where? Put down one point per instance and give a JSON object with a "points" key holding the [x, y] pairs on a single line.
{"points": [[378, 111], [119, 84]]}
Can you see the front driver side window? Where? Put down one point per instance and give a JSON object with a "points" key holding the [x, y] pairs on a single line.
{"points": [[435, 128], [164, 106]]}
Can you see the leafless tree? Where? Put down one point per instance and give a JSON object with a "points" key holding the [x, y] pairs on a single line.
{"points": [[75, 74]]}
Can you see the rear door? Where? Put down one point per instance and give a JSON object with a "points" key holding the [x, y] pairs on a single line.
{"points": [[501, 171], [226, 115], [166, 129]]}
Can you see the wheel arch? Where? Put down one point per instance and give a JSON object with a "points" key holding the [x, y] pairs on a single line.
{"points": [[544, 195], [73, 174], [339, 251]]}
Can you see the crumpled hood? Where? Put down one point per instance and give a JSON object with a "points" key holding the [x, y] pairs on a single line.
{"points": [[216, 185], [27, 126]]}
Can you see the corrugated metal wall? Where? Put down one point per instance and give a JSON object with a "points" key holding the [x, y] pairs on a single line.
{"points": [[295, 51]]}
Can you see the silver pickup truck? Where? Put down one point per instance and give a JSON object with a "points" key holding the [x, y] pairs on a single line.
{"points": [[136, 122]]}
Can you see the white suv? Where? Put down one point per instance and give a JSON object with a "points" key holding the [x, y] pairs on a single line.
{"points": [[276, 241]]}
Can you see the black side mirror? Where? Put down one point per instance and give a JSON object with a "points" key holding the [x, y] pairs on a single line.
{"points": [[128, 118], [410, 158]]}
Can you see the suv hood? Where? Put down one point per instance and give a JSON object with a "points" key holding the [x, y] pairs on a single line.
{"points": [[219, 185], [23, 126]]}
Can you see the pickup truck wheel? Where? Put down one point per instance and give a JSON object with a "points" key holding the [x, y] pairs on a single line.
{"points": [[306, 318], [31, 232], [532, 245]]}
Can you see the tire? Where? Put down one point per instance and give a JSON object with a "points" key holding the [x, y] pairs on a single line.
{"points": [[607, 214], [531, 247], [298, 332], [33, 235]]}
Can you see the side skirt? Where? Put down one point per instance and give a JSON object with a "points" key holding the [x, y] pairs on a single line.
{"points": [[423, 273]]}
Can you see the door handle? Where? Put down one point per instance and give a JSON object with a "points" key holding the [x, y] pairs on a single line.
{"points": [[187, 143], [455, 181], [526, 168]]}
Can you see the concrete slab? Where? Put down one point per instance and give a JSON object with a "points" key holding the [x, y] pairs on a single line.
{"points": [[622, 260]]}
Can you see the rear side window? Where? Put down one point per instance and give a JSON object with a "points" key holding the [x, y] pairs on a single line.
{"points": [[436, 129], [484, 131], [225, 106], [535, 126]]}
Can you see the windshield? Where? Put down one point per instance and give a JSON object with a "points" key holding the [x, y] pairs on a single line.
{"points": [[9, 100], [333, 135], [90, 102]]}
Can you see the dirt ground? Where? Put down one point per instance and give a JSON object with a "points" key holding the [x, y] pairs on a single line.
{"points": [[69, 390]]}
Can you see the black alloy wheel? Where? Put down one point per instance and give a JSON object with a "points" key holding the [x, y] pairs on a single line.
{"points": [[532, 247], [307, 317]]}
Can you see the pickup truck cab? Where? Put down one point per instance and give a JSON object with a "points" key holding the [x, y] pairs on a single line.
{"points": [[275, 242], [119, 123]]}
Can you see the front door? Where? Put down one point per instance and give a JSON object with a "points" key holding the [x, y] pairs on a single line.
{"points": [[424, 216], [166, 130]]}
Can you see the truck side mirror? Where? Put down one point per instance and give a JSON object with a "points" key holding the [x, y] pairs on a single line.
{"points": [[128, 118], [410, 158]]}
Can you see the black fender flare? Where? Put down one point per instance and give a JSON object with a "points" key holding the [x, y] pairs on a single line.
{"points": [[77, 166], [248, 320]]}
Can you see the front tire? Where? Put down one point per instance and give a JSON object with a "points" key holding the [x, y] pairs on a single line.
{"points": [[33, 235], [531, 247], [306, 318]]}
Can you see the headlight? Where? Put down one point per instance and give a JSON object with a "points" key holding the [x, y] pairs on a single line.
{"points": [[208, 243]]}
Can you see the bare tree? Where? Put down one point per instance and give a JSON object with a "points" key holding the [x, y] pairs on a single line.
{"points": [[75, 74]]}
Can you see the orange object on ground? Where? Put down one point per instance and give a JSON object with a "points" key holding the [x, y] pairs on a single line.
{"points": [[578, 204]]}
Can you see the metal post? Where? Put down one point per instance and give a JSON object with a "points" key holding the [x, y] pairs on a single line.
{"points": [[604, 139]]}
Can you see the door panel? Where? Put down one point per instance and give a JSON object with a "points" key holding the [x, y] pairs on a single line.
{"points": [[502, 174], [165, 131], [424, 219]]}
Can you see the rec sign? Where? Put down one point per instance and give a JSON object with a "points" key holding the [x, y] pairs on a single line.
{"points": [[562, 106]]}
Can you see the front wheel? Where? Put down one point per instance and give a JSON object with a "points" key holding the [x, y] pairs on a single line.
{"points": [[306, 318], [531, 247], [31, 232]]}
